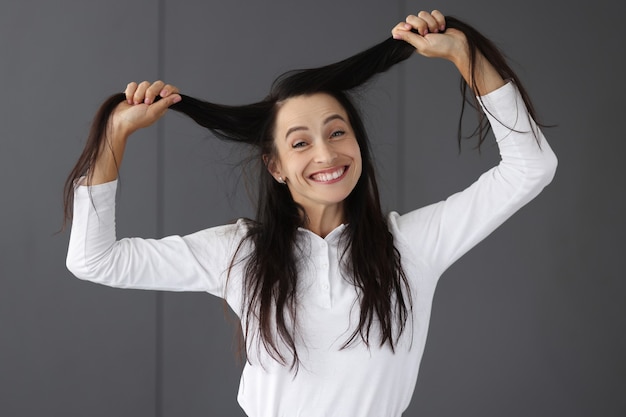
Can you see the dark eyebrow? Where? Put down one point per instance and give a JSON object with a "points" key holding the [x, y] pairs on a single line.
{"points": [[326, 121], [333, 117], [295, 129]]}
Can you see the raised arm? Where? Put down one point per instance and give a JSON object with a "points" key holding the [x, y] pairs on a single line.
{"points": [[442, 232], [195, 262]]}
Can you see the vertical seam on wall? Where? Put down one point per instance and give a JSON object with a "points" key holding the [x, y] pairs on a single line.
{"points": [[401, 119], [160, 221]]}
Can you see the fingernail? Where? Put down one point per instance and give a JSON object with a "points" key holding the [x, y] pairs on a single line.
{"points": [[396, 36], [407, 26], [163, 93], [177, 99]]}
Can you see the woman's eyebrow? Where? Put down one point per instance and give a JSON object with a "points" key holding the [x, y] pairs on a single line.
{"points": [[295, 129], [333, 117], [326, 121]]}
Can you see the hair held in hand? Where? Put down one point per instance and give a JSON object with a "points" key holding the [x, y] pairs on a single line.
{"points": [[271, 268]]}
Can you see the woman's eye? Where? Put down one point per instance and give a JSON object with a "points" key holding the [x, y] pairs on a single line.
{"points": [[299, 144], [337, 133]]}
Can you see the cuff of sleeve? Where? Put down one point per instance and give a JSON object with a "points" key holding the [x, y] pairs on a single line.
{"points": [[499, 98], [97, 193], [506, 111]]}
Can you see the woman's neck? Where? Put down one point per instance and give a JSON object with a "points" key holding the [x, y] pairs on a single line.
{"points": [[322, 220]]}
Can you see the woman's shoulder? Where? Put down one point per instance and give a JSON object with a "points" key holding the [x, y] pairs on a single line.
{"points": [[217, 244], [412, 219], [238, 228]]}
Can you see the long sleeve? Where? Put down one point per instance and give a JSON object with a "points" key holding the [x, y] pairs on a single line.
{"points": [[441, 233], [196, 262]]}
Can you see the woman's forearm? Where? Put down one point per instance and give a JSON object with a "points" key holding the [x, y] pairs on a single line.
{"points": [[485, 77], [108, 163]]}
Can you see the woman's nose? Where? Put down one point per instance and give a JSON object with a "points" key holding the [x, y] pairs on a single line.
{"points": [[325, 153]]}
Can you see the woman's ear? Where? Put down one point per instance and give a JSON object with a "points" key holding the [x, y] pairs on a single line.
{"points": [[273, 167]]}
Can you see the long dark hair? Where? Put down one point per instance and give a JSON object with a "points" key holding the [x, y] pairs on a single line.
{"points": [[370, 259]]}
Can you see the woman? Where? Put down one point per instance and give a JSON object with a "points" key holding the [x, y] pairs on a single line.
{"points": [[334, 297]]}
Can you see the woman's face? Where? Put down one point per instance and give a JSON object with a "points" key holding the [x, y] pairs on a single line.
{"points": [[317, 152]]}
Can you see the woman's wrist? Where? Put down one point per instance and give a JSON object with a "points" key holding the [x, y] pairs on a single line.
{"points": [[480, 75]]}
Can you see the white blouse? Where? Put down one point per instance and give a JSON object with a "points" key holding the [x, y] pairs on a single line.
{"points": [[356, 381]]}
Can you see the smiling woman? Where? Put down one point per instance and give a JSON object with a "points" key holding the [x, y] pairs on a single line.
{"points": [[319, 158], [334, 296]]}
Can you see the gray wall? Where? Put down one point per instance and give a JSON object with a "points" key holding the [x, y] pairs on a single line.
{"points": [[531, 322]]}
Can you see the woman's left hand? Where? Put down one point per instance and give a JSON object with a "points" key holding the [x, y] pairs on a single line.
{"points": [[432, 39]]}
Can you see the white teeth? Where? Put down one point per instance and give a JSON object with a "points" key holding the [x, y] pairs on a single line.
{"points": [[329, 176]]}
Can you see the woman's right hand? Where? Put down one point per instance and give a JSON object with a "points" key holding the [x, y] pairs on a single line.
{"points": [[140, 108]]}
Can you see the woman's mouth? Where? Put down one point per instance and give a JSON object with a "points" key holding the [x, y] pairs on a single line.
{"points": [[330, 175]]}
